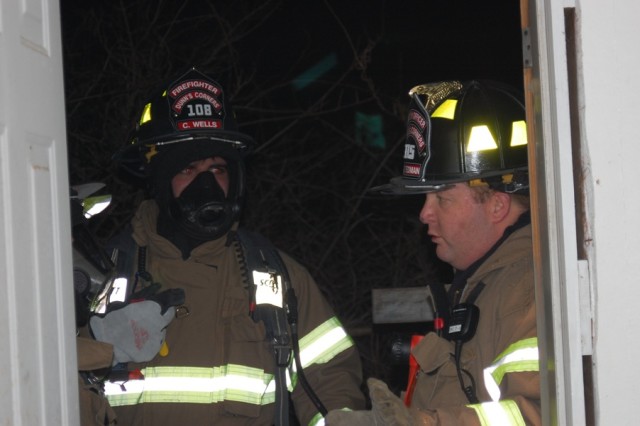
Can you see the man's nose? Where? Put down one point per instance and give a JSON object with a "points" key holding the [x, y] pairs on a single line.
{"points": [[427, 212]]}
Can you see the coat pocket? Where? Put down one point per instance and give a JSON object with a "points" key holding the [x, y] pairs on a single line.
{"points": [[437, 383], [436, 354], [249, 367]]}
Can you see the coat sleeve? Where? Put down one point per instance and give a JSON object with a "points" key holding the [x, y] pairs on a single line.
{"points": [[94, 407], [511, 380], [329, 357], [515, 389]]}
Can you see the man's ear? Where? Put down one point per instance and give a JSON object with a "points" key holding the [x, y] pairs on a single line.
{"points": [[500, 206]]}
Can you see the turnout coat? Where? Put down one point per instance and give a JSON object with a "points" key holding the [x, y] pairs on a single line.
{"points": [[502, 356], [219, 368]]}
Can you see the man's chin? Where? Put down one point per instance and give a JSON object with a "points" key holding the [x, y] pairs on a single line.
{"points": [[443, 254]]}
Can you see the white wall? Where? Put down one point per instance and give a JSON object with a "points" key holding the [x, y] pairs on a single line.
{"points": [[609, 39]]}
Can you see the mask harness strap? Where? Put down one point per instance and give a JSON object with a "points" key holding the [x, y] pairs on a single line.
{"points": [[273, 301]]}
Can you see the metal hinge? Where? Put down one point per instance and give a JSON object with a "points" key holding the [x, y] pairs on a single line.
{"points": [[527, 55]]}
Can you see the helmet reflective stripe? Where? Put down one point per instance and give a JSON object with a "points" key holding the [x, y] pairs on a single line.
{"points": [[146, 114], [518, 357], [500, 413], [199, 385], [323, 343], [518, 133]]}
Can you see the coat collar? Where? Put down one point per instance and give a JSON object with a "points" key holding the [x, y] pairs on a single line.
{"points": [[144, 225], [496, 256]]}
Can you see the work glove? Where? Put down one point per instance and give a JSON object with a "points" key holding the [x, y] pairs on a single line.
{"points": [[386, 410], [137, 329]]}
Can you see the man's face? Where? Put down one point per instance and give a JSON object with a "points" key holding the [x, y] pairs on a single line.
{"points": [[215, 165], [459, 225]]}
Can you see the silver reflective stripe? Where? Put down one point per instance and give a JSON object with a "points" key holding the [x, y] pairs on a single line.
{"points": [[503, 413], [323, 343], [198, 385], [518, 357]]}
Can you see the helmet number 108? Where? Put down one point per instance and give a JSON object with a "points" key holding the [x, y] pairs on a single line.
{"points": [[199, 110]]}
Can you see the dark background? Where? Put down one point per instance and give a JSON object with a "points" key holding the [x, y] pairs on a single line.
{"points": [[308, 179]]}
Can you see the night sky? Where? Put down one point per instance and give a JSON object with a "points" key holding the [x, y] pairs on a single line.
{"points": [[418, 41]]}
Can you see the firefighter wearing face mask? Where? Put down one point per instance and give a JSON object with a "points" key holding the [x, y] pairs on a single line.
{"points": [[216, 365], [466, 149]]}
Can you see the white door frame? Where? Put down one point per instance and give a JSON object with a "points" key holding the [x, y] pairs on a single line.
{"points": [[38, 370], [553, 214]]}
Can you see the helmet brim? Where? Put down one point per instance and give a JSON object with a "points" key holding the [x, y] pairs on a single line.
{"points": [[173, 157], [130, 158], [402, 186], [243, 143]]}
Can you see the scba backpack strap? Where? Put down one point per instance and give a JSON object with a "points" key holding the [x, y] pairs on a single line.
{"points": [[273, 301], [268, 284], [130, 317]]}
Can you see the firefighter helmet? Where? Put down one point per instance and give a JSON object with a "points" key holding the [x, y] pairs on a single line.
{"points": [[193, 113], [463, 132], [189, 119]]}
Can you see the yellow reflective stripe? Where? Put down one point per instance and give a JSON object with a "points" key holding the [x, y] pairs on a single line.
{"points": [[199, 385], [205, 385], [317, 420], [323, 343], [502, 413], [518, 357]]}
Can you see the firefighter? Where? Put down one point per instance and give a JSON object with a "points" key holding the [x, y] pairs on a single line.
{"points": [[217, 363], [466, 150], [91, 271]]}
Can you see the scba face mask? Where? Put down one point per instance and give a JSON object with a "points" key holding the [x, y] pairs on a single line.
{"points": [[202, 210]]}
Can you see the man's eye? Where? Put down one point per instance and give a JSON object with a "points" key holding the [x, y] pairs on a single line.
{"points": [[219, 169]]}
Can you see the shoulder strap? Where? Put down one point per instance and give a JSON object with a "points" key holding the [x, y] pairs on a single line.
{"points": [[268, 281], [262, 256], [122, 249], [441, 305], [473, 295]]}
